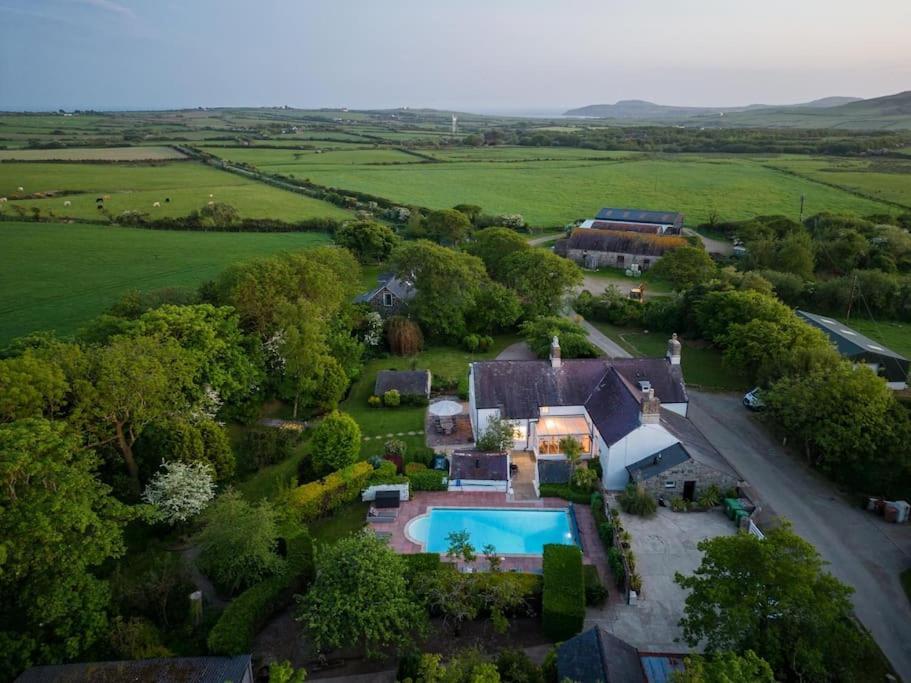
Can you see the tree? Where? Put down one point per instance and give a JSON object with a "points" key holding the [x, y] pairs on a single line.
{"points": [[498, 436], [540, 278], [725, 667], [447, 226], [238, 544], [772, 596], [460, 547], [685, 267], [468, 666], [283, 672], [179, 439], [58, 524], [572, 449], [336, 442], [718, 310], [179, 491], [30, 386], [540, 332], [218, 215], [493, 245], [403, 336], [472, 211], [496, 308], [369, 241], [360, 596]]}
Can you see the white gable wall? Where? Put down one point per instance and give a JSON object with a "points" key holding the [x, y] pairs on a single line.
{"points": [[679, 408], [638, 444]]}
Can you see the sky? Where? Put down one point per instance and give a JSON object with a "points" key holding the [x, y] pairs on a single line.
{"points": [[469, 55]]}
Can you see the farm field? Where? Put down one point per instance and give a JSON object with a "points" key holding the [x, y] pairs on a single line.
{"points": [[149, 153], [526, 154], [265, 159], [83, 269], [555, 192], [136, 187]]}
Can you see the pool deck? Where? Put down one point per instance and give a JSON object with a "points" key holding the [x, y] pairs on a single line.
{"points": [[592, 550]]}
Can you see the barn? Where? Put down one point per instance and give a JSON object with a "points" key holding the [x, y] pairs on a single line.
{"points": [[593, 248], [637, 220]]}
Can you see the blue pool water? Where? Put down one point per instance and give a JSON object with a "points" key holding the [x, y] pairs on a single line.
{"points": [[510, 531]]}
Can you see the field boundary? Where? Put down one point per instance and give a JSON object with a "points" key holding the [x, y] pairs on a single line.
{"points": [[834, 186]]}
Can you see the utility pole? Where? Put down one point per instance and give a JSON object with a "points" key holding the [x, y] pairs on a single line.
{"points": [[802, 199], [851, 297]]}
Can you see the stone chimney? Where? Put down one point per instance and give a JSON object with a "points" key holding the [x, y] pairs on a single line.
{"points": [[651, 408], [555, 360], [673, 350]]}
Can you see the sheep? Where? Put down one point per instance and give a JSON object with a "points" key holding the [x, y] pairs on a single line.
{"points": [[67, 203], [210, 196], [20, 189], [155, 205], [211, 203], [2, 200]]}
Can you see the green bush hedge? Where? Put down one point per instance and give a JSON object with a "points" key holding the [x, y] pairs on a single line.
{"points": [[563, 608], [595, 592], [242, 619], [427, 480], [615, 560], [421, 563], [566, 492], [317, 498]]}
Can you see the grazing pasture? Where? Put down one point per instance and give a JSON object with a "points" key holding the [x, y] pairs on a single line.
{"points": [[886, 179], [57, 277], [149, 153], [136, 187], [265, 159]]}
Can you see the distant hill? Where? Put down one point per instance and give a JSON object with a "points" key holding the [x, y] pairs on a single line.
{"points": [[642, 109]]}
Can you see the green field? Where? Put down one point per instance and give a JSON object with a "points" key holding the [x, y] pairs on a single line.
{"points": [[556, 192], [887, 179], [147, 153], [270, 159], [56, 276], [136, 187]]}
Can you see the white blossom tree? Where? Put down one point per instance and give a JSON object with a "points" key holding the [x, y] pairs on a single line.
{"points": [[179, 491]]}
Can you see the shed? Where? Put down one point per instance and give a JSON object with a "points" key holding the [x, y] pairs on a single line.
{"points": [[596, 656], [406, 382], [478, 471], [162, 670]]}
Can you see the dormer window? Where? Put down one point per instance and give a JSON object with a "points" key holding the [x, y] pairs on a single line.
{"points": [[387, 299]]}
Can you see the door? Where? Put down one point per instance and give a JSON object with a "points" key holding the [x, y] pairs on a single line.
{"points": [[689, 490]]}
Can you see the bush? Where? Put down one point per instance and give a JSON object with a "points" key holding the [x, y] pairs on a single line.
{"points": [[563, 609], [392, 398], [679, 504], [385, 472], [413, 467], [470, 342], [336, 442], [635, 500], [615, 562], [427, 480], [268, 446], [584, 479], [421, 563], [515, 666], [374, 402], [318, 498], [498, 437], [443, 383], [242, 619], [710, 497], [566, 492], [595, 592], [414, 400]]}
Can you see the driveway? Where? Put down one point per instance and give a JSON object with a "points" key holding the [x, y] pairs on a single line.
{"points": [[712, 246], [598, 338], [863, 551]]}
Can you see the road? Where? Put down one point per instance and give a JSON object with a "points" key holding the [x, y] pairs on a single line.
{"points": [[712, 246], [863, 551], [599, 339]]}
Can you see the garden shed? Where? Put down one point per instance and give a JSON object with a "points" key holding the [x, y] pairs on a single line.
{"points": [[406, 382]]}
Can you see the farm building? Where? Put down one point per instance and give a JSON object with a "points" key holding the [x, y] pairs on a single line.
{"points": [[854, 346], [406, 382], [637, 220], [615, 248], [390, 296]]}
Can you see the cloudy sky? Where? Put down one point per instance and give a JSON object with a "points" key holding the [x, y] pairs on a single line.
{"points": [[480, 55]]}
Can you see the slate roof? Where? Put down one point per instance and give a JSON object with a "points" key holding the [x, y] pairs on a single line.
{"points": [[399, 288], [596, 656], [479, 466], [621, 241], [165, 670], [659, 462], [406, 382], [553, 471], [641, 216], [607, 388], [854, 345], [695, 443]]}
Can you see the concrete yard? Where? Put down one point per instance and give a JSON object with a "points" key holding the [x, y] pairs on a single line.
{"points": [[663, 545]]}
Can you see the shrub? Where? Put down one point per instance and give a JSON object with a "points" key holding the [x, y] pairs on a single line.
{"points": [[498, 436], [317, 498], [392, 398], [564, 491], [485, 342], [584, 479], [413, 467], [635, 500], [595, 592], [615, 562], [514, 666], [441, 383], [414, 400], [427, 480], [269, 446], [243, 618], [470, 342], [421, 563], [136, 638], [336, 442], [563, 609], [635, 582], [374, 402], [710, 497], [679, 504], [384, 472], [606, 533]]}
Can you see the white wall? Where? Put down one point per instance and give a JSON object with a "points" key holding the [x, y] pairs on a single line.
{"points": [[369, 493], [484, 416], [638, 444], [478, 485], [547, 411], [679, 408]]}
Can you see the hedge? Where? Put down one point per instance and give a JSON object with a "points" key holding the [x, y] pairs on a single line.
{"points": [[595, 592], [421, 563], [242, 619], [428, 480], [320, 497], [566, 492], [563, 608]]}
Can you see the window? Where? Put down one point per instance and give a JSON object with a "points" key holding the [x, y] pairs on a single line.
{"points": [[670, 484], [387, 299], [620, 259]]}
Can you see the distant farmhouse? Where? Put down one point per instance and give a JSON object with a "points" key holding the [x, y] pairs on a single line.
{"points": [[854, 346], [595, 248], [390, 296], [637, 220]]}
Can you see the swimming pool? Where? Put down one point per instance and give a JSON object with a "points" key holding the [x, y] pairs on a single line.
{"points": [[512, 531]]}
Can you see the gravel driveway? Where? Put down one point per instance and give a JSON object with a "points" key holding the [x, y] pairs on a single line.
{"points": [[864, 551]]}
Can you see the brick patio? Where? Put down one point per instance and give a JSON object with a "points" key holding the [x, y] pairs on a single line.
{"points": [[592, 550]]}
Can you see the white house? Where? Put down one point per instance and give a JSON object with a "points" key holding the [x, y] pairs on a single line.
{"points": [[621, 411]]}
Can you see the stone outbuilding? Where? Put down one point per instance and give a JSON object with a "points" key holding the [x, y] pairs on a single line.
{"points": [[593, 248], [391, 295], [406, 382]]}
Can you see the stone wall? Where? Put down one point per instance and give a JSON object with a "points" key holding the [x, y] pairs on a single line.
{"points": [[398, 306], [691, 470], [613, 259]]}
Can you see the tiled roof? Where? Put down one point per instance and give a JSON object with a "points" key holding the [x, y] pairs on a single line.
{"points": [[695, 443], [614, 406], [164, 670], [399, 288]]}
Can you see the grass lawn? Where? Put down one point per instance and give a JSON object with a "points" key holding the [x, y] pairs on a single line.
{"points": [[57, 277], [655, 284], [345, 521], [702, 366]]}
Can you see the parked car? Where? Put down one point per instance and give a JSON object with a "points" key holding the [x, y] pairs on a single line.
{"points": [[753, 399]]}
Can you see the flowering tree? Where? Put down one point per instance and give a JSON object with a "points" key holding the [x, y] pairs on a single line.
{"points": [[179, 491]]}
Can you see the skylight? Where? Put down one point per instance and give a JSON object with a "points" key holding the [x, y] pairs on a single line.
{"points": [[875, 347], [853, 334]]}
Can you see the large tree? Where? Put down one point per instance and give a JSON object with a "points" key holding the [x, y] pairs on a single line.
{"points": [[540, 332], [718, 310], [369, 241], [447, 226], [360, 596], [685, 267], [57, 524], [774, 597], [540, 278], [725, 667], [30, 386], [493, 245]]}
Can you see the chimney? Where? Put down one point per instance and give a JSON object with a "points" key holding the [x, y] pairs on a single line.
{"points": [[673, 350], [651, 408], [555, 360]]}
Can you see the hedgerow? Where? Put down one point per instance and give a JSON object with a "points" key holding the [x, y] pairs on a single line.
{"points": [[317, 498], [563, 609]]}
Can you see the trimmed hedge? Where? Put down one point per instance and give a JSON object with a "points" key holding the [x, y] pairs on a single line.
{"points": [[242, 619], [595, 592], [428, 480], [566, 492], [563, 608], [320, 497]]}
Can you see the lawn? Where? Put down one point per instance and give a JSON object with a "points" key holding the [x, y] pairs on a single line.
{"points": [[57, 277], [136, 187], [702, 366]]}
